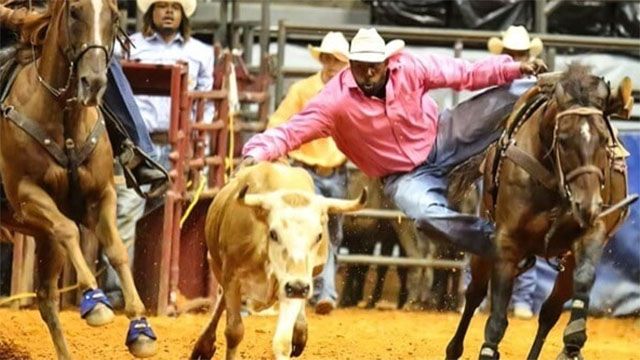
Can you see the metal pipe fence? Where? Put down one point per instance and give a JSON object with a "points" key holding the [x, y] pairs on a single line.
{"points": [[424, 36]]}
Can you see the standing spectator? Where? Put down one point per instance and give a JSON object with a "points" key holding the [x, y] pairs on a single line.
{"points": [[166, 39], [321, 157]]}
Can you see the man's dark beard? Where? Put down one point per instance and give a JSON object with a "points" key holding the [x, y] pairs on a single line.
{"points": [[380, 90], [165, 31]]}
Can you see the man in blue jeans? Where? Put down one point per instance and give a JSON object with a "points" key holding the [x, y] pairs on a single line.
{"points": [[381, 117]]}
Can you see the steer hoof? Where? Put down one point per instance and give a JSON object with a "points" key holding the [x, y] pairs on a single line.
{"points": [[203, 351], [141, 340], [95, 308], [564, 356], [296, 349]]}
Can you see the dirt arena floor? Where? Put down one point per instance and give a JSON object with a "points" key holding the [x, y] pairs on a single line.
{"points": [[345, 334]]}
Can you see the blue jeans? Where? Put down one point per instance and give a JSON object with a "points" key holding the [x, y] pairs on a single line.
{"points": [[464, 131], [335, 186], [118, 97], [130, 208]]}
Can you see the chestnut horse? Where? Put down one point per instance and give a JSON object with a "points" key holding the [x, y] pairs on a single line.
{"points": [[56, 162], [555, 185]]}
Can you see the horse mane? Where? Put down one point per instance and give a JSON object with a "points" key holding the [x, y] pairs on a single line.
{"points": [[35, 25], [578, 82]]}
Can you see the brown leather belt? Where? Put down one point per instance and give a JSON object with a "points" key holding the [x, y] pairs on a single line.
{"points": [[320, 170], [160, 137]]}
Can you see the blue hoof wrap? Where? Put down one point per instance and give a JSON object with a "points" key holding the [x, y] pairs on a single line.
{"points": [[90, 299], [137, 328]]}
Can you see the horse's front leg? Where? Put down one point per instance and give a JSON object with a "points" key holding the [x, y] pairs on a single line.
{"points": [[587, 251], [36, 209], [140, 338], [51, 259], [504, 272]]}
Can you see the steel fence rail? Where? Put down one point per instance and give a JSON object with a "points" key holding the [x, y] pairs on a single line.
{"points": [[412, 35], [397, 261]]}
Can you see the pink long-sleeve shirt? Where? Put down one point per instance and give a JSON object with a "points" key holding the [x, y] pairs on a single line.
{"points": [[383, 136]]}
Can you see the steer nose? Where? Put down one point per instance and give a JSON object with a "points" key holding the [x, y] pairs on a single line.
{"points": [[296, 289]]}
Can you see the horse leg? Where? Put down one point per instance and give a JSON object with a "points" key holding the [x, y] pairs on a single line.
{"points": [[476, 291], [552, 307], [587, 252], [234, 332], [141, 340], [205, 347], [504, 272], [50, 261], [299, 340], [39, 211]]}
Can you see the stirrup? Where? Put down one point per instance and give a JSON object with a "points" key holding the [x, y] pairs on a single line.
{"points": [[133, 157]]}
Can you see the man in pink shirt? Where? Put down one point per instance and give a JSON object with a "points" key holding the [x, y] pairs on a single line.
{"points": [[382, 119]]}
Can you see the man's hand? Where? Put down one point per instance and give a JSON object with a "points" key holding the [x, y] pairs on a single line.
{"points": [[246, 162], [533, 67]]}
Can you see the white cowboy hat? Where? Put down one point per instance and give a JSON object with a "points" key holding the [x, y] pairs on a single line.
{"points": [[188, 6], [333, 43], [515, 38], [368, 46]]}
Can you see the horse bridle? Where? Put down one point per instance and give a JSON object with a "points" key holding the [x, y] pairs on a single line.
{"points": [[73, 56], [566, 179]]}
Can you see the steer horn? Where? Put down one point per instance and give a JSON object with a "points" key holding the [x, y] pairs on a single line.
{"points": [[340, 206]]}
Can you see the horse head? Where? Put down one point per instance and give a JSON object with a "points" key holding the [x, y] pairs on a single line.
{"points": [[86, 32], [580, 139]]}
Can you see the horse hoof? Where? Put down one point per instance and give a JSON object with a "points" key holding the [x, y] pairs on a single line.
{"points": [[100, 315], [95, 308], [141, 339], [143, 347]]}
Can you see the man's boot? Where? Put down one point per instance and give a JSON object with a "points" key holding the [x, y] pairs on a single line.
{"points": [[140, 169]]}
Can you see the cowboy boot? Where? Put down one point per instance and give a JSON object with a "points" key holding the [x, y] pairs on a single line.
{"points": [[140, 169]]}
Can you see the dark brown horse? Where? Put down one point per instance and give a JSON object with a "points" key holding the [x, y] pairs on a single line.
{"points": [[56, 161], [557, 188]]}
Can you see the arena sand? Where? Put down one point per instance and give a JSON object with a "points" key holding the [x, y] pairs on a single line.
{"points": [[345, 334]]}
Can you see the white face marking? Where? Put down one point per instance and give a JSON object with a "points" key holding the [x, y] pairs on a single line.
{"points": [[97, 9], [585, 131]]}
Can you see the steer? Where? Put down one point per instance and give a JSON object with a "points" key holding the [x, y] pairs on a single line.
{"points": [[267, 237]]}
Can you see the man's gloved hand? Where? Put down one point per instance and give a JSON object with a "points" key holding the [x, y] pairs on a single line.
{"points": [[246, 162], [533, 67]]}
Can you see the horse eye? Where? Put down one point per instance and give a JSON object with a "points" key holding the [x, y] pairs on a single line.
{"points": [[273, 235], [319, 238], [74, 12]]}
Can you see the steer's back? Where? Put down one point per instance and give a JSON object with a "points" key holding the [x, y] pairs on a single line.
{"points": [[235, 233]]}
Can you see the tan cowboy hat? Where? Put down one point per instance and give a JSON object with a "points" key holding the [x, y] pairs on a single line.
{"points": [[333, 43], [515, 38], [188, 6], [368, 46]]}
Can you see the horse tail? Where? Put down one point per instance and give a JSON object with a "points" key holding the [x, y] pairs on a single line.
{"points": [[463, 176]]}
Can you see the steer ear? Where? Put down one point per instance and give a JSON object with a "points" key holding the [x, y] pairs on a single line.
{"points": [[253, 200], [336, 206], [621, 102]]}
